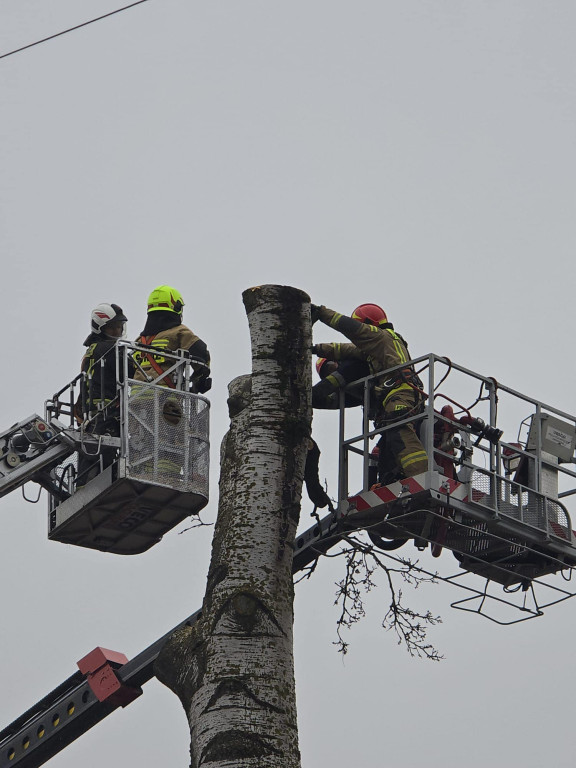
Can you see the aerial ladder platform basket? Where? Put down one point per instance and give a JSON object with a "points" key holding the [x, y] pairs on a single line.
{"points": [[499, 506], [116, 493]]}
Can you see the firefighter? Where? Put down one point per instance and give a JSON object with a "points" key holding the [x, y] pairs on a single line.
{"points": [[334, 376], [164, 331], [98, 406], [375, 341]]}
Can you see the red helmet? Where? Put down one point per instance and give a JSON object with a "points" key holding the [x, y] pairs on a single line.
{"points": [[371, 314], [325, 367], [319, 363]]}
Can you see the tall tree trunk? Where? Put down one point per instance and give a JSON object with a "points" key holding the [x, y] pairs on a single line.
{"points": [[233, 671]]}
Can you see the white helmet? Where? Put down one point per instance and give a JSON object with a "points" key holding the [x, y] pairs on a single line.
{"points": [[104, 314]]}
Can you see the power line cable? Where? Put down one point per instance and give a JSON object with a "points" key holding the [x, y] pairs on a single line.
{"points": [[78, 26]]}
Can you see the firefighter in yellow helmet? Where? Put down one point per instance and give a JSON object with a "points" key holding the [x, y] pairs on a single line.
{"points": [[164, 331], [374, 340]]}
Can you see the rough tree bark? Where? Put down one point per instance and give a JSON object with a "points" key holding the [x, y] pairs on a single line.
{"points": [[233, 671]]}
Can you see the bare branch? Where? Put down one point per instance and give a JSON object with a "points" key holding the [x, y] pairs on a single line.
{"points": [[410, 626], [308, 570], [197, 522]]}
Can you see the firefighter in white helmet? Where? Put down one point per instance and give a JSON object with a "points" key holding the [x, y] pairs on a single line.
{"points": [[98, 406]]}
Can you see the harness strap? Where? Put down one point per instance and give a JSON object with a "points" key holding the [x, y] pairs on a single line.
{"points": [[147, 340]]}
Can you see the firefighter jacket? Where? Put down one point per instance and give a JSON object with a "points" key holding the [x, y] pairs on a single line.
{"points": [[100, 384], [165, 332], [382, 348]]}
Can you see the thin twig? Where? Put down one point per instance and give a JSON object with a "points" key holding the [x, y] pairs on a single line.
{"points": [[410, 626]]}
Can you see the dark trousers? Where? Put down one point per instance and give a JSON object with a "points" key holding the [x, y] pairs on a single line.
{"points": [[89, 466], [401, 454]]}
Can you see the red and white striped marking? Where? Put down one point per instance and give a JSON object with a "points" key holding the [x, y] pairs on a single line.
{"points": [[411, 485], [387, 493]]}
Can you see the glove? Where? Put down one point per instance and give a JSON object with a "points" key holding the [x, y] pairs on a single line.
{"points": [[204, 385], [314, 349], [314, 313]]}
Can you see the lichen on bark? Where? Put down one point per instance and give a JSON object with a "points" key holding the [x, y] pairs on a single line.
{"points": [[233, 670]]}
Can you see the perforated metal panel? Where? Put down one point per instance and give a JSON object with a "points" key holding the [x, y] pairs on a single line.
{"points": [[521, 504], [167, 438]]}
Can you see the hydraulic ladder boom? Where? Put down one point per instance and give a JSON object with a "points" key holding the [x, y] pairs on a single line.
{"points": [[83, 700], [29, 449]]}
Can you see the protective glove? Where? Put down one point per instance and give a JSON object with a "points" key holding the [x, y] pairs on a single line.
{"points": [[314, 312], [204, 385]]}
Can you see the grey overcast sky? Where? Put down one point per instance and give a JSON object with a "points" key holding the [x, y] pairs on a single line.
{"points": [[417, 154]]}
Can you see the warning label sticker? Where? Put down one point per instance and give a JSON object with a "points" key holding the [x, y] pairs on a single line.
{"points": [[559, 437]]}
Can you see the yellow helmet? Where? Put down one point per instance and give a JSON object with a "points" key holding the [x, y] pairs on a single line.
{"points": [[166, 298]]}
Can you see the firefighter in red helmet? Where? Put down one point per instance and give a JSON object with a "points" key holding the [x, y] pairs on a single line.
{"points": [[374, 340]]}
